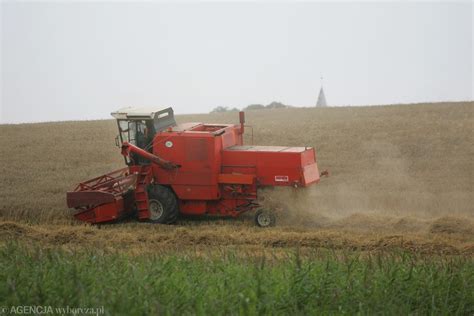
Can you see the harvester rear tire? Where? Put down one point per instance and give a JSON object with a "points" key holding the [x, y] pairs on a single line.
{"points": [[162, 204], [174, 216], [265, 218]]}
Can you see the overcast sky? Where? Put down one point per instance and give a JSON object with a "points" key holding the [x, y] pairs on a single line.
{"points": [[74, 61]]}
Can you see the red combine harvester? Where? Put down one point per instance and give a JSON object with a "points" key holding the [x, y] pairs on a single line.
{"points": [[191, 169]]}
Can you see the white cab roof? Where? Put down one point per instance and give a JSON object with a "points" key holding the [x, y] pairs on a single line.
{"points": [[136, 112]]}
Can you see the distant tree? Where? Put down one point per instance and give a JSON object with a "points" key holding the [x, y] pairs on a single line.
{"points": [[220, 109], [276, 105], [254, 107], [234, 110]]}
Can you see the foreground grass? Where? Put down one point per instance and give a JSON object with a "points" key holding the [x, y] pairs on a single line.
{"points": [[326, 283]]}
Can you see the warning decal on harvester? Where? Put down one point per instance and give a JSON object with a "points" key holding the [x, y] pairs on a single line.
{"points": [[282, 178]]}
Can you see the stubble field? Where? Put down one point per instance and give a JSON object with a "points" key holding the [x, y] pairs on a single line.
{"points": [[400, 189]]}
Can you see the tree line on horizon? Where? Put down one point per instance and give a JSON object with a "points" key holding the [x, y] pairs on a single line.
{"points": [[272, 105]]}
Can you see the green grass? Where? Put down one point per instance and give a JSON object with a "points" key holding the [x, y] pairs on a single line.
{"points": [[322, 283]]}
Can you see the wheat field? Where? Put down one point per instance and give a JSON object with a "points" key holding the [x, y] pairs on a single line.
{"points": [[399, 170], [390, 231]]}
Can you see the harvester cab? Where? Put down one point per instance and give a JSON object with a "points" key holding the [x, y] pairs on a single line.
{"points": [[191, 169], [138, 126]]}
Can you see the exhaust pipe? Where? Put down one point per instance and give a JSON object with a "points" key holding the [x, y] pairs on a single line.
{"points": [[242, 121]]}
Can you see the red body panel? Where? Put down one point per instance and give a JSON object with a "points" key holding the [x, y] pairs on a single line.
{"points": [[273, 166], [218, 175], [198, 151]]}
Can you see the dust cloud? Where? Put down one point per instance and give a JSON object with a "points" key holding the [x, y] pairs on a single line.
{"points": [[389, 197]]}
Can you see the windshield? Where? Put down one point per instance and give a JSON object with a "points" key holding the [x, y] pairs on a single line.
{"points": [[124, 129], [135, 132]]}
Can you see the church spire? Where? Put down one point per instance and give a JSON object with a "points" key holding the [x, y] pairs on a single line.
{"points": [[321, 103]]}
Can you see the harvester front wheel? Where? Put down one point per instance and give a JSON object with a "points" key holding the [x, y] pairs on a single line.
{"points": [[162, 205], [265, 218]]}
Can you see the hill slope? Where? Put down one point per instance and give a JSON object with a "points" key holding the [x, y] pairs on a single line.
{"points": [[410, 160]]}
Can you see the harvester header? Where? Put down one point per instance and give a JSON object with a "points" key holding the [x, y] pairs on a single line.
{"points": [[191, 169]]}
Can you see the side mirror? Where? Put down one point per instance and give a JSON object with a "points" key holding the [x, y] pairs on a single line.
{"points": [[117, 142]]}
